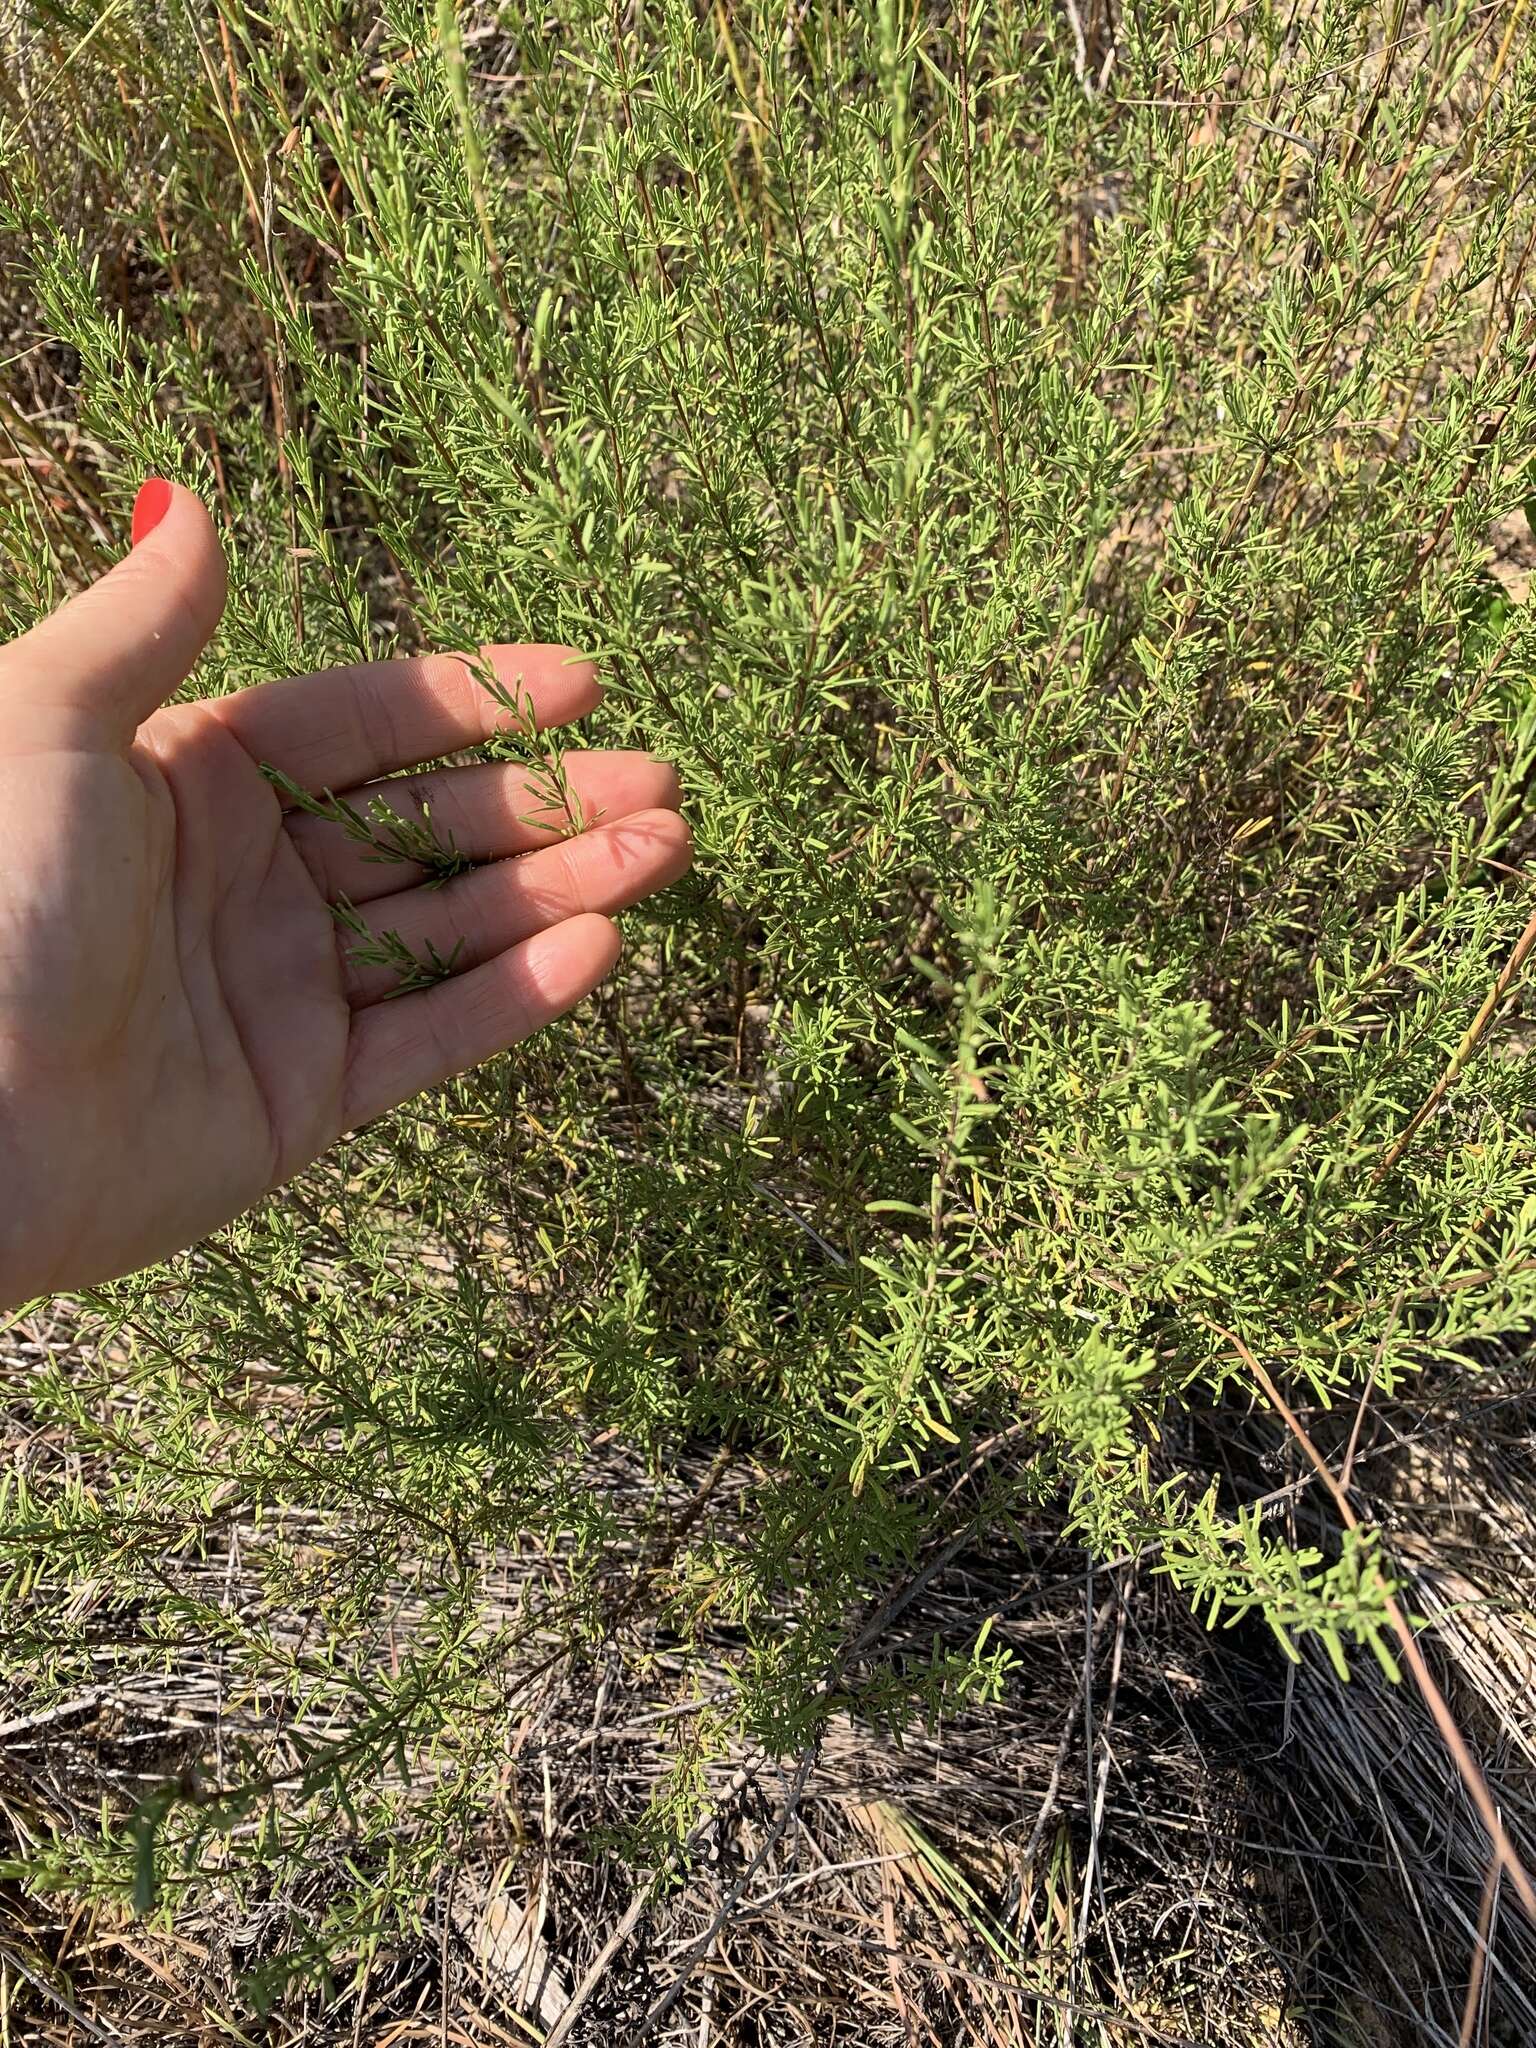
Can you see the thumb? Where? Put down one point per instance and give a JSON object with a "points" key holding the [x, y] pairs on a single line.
{"points": [[109, 657]]}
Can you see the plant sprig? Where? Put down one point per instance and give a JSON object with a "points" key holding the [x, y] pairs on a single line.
{"points": [[388, 950], [388, 834]]}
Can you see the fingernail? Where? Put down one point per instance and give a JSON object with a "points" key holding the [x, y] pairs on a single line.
{"points": [[149, 508]]}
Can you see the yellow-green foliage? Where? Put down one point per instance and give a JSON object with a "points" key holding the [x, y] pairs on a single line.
{"points": [[1042, 497]]}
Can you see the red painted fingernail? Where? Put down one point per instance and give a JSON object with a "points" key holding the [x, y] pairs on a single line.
{"points": [[149, 507]]}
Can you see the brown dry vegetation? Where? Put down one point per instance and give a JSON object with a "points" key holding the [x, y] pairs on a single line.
{"points": [[1192, 1849]]}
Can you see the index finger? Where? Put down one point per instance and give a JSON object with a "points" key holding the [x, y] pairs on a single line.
{"points": [[342, 726]]}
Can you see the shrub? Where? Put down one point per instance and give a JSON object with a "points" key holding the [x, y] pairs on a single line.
{"points": [[1042, 488]]}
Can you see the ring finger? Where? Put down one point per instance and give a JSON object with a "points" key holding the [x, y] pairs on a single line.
{"points": [[481, 914]]}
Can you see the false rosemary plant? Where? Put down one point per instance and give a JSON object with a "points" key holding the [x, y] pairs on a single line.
{"points": [[1060, 502]]}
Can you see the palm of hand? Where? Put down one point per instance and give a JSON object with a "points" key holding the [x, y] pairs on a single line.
{"points": [[181, 1026], [173, 1024]]}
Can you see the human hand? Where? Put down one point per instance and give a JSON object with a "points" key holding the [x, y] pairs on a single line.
{"points": [[181, 1026]]}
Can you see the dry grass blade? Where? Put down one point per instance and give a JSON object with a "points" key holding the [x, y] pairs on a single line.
{"points": [[1466, 1764], [1472, 2010]]}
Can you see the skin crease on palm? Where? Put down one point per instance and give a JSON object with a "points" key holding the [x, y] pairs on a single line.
{"points": [[181, 1028]]}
